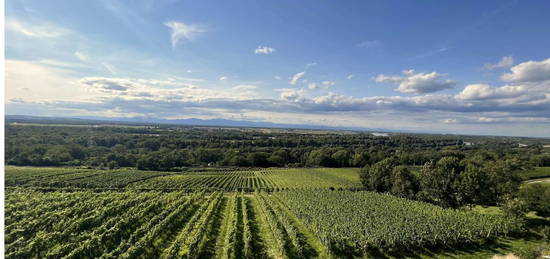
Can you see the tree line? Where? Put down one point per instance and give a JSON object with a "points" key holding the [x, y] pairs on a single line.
{"points": [[458, 181], [170, 148]]}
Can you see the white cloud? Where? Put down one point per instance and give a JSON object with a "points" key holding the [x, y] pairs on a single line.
{"points": [[308, 65], [505, 62], [39, 82], [59, 64], [450, 121], [277, 77], [350, 76], [223, 78], [530, 71], [312, 86], [264, 50], [430, 53], [81, 56], [43, 30], [109, 68], [487, 119], [292, 95], [164, 90], [244, 87], [109, 84], [182, 31], [484, 91], [328, 83], [418, 83], [147, 97], [296, 77]]}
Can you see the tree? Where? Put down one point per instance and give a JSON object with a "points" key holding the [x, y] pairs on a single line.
{"points": [[503, 179], [404, 183], [540, 160], [183, 157], [439, 182], [207, 155], [364, 176], [76, 151], [112, 165], [234, 157], [238, 160], [537, 197], [378, 176], [259, 159], [321, 157], [145, 162], [360, 159], [55, 155], [474, 186], [279, 158], [341, 157], [514, 207]]}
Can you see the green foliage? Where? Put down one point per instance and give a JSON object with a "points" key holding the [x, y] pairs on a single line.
{"points": [[321, 157], [227, 179], [77, 224], [474, 186], [545, 232], [259, 159], [453, 183], [341, 158], [168, 147], [534, 173], [503, 177], [151, 221], [279, 158], [364, 176], [532, 252], [537, 197], [514, 207], [75, 178], [347, 221], [404, 183], [379, 176]]}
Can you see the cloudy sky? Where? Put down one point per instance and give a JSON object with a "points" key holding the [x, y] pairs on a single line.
{"points": [[467, 67]]}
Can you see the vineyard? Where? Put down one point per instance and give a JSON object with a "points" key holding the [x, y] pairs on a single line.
{"points": [[383, 221], [223, 179], [267, 213]]}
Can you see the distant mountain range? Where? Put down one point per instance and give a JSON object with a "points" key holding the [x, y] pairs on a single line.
{"points": [[186, 122]]}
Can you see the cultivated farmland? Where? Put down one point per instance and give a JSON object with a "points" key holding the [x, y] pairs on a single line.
{"points": [[252, 213]]}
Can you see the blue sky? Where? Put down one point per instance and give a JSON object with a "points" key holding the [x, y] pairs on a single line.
{"points": [[468, 67]]}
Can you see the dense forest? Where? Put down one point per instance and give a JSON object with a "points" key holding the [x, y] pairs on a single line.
{"points": [[175, 147]]}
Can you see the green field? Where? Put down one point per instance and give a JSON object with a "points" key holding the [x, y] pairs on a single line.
{"points": [[536, 172], [198, 179], [226, 213]]}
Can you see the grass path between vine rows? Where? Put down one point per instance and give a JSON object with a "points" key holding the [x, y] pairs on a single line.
{"points": [[312, 240], [265, 233]]}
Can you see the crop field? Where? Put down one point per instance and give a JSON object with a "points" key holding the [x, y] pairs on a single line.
{"points": [[223, 180], [264, 213], [229, 181], [383, 221], [77, 178]]}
